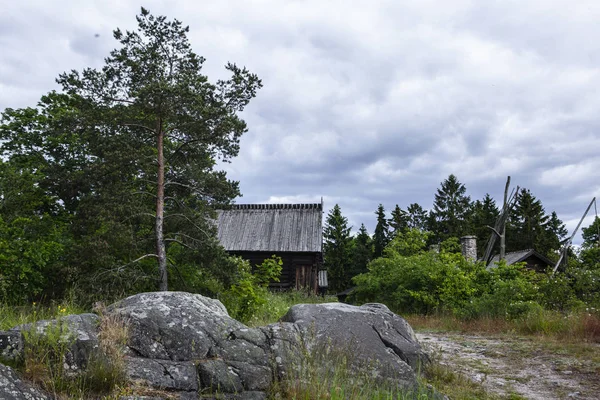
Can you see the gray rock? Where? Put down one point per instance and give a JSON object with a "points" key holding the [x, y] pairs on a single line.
{"points": [[371, 337], [80, 331], [174, 326], [285, 347], [14, 388], [254, 377], [163, 374], [11, 345], [217, 376]]}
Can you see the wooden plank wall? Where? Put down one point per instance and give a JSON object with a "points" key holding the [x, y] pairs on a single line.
{"points": [[291, 262]]}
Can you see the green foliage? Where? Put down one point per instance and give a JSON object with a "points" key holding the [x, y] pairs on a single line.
{"points": [[87, 172], [46, 350], [410, 280], [362, 252], [278, 303], [591, 234], [337, 247], [421, 282], [417, 217], [399, 221], [508, 291], [529, 227], [381, 237], [451, 210], [269, 271], [485, 214], [249, 292], [409, 243]]}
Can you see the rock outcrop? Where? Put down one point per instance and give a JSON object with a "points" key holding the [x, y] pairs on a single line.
{"points": [[371, 334], [12, 387], [187, 345]]}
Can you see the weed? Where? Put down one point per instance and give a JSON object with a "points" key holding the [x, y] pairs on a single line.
{"points": [[48, 359]]}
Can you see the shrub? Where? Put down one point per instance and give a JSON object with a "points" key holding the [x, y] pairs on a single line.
{"points": [[249, 293], [421, 283]]}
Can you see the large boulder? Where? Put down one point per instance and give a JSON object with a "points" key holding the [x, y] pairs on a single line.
{"points": [[175, 326], [79, 332], [369, 337], [188, 342], [187, 345], [12, 387]]}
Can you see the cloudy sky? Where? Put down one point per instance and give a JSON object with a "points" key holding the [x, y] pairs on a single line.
{"points": [[368, 102]]}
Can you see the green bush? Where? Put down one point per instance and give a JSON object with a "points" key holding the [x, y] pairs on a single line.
{"points": [[250, 292], [423, 283], [411, 280]]}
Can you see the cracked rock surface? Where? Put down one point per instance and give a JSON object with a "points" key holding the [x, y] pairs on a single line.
{"points": [[372, 335], [12, 387], [188, 345]]}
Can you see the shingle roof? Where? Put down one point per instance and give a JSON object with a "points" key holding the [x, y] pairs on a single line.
{"points": [[271, 227], [518, 256]]}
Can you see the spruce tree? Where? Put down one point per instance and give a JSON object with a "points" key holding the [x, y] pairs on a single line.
{"points": [[337, 248], [417, 217], [362, 251], [485, 213], [531, 228], [399, 221], [451, 210], [381, 236]]}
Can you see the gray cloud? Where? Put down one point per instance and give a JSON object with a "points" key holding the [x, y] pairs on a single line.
{"points": [[369, 103]]}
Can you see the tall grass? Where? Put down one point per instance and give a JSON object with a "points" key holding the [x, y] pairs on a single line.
{"points": [[11, 316], [333, 373], [278, 303], [574, 326]]}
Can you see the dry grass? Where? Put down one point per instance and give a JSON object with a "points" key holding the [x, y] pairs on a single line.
{"points": [[573, 327], [45, 354]]}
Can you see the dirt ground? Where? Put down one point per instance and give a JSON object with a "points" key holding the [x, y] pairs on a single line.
{"points": [[517, 367]]}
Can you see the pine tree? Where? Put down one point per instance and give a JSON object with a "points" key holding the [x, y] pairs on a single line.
{"points": [[381, 237], [451, 210], [417, 217], [362, 251], [399, 221], [337, 248]]}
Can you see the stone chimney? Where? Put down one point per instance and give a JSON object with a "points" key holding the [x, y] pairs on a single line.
{"points": [[469, 247]]}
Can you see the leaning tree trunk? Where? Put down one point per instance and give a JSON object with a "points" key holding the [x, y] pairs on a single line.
{"points": [[161, 251]]}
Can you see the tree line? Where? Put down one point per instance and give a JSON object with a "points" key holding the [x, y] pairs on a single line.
{"points": [[453, 215]]}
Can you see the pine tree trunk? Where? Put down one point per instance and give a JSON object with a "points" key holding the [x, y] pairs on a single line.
{"points": [[161, 251]]}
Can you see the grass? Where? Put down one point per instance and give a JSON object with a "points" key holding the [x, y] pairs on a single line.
{"points": [[278, 303], [335, 373], [103, 378], [11, 316], [572, 327], [45, 353]]}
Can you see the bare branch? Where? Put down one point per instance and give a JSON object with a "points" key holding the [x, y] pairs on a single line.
{"points": [[495, 231], [122, 267], [189, 220]]}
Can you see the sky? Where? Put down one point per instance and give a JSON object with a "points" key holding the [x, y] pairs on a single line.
{"points": [[367, 102]]}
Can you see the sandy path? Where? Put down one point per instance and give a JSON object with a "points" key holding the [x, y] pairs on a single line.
{"points": [[523, 366]]}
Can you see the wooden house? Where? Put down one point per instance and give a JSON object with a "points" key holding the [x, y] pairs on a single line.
{"points": [[532, 259], [291, 231]]}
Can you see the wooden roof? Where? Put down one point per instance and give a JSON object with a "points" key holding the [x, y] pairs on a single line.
{"points": [[271, 227], [521, 255]]}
